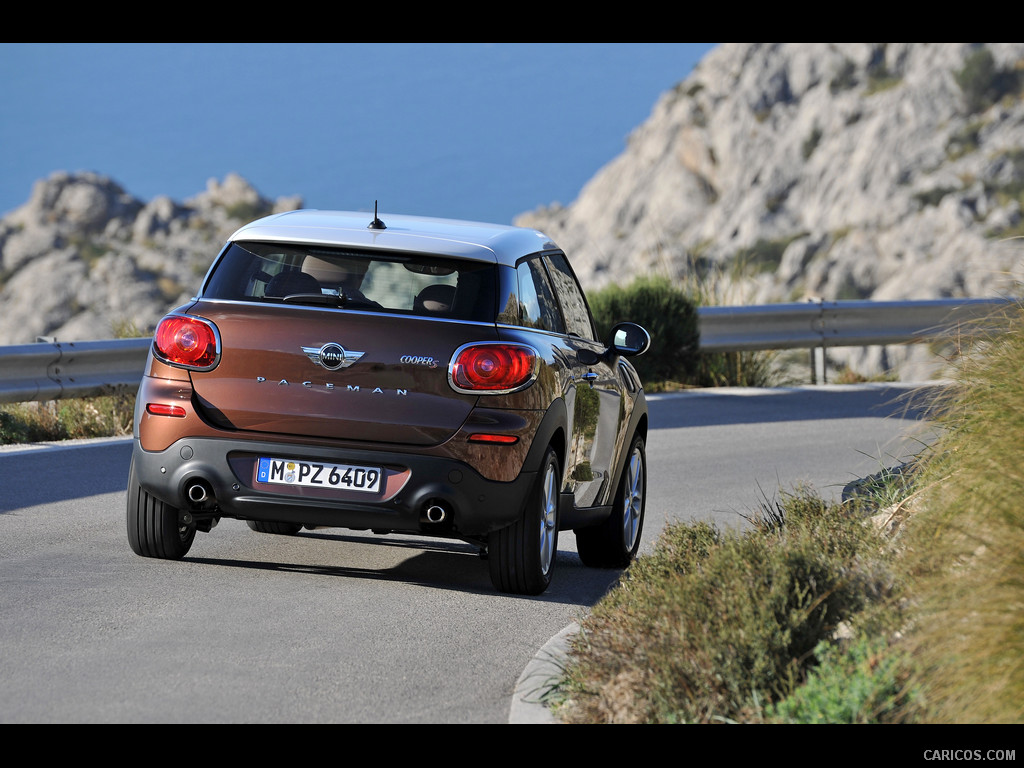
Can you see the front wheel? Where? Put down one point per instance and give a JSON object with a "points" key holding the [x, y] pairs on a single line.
{"points": [[522, 555], [615, 543], [153, 526]]}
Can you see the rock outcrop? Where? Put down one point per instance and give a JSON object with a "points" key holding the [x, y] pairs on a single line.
{"points": [[84, 260], [785, 171]]}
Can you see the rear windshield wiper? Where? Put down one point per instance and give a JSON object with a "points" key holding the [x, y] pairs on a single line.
{"points": [[330, 298]]}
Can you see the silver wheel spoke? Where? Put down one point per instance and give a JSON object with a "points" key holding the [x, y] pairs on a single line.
{"points": [[547, 520], [633, 499]]}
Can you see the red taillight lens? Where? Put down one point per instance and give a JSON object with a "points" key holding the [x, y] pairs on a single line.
{"points": [[493, 368], [187, 342]]}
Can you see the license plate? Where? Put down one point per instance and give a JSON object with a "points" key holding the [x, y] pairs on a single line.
{"points": [[315, 474]]}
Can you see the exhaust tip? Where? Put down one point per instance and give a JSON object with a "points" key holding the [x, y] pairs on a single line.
{"points": [[198, 493], [436, 513]]}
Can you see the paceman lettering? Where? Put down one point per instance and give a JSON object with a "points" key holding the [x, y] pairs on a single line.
{"points": [[328, 387]]}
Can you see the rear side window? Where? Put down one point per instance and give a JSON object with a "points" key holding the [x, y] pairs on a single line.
{"points": [[398, 283], [538, 308], [570, 296]]}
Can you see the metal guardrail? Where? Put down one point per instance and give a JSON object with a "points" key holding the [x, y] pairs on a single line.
{"points": [[51, 370], [823, 324]]}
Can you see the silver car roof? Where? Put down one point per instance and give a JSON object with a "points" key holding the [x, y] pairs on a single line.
{"points": [[448, 237]]}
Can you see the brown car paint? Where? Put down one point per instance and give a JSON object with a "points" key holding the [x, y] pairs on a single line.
{"points": [[395, 408]]}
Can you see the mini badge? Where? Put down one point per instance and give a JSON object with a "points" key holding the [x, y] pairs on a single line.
{"points": [[332, 356]]}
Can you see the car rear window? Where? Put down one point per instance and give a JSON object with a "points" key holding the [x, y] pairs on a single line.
{"points": [[401, 283]]}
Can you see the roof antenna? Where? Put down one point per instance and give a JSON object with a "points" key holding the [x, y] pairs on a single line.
{"points": [[376, 223]]}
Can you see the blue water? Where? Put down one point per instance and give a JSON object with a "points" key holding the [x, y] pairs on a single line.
{"points": [[467, 130]]}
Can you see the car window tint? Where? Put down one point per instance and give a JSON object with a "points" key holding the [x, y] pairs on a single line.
{"points": [[570, 296], [538, 308], [388, 282]]}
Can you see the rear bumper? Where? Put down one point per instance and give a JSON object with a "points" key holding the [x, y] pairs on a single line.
{"points": [[226, 470]]}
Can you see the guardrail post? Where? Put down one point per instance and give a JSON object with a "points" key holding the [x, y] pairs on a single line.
{"points": [[818, 351]]}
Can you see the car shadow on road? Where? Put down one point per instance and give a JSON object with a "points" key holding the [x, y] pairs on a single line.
{"points": [[443, 564]]}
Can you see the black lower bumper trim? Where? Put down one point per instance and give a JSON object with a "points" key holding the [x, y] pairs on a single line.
{"points": [[471, 504]]}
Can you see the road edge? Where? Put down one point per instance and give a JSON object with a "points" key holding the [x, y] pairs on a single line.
{"points": [[541, 673]]}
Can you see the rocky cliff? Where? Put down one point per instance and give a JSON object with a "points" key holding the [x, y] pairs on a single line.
{"points": [[779, 171], [832, 170], [84, 260]]}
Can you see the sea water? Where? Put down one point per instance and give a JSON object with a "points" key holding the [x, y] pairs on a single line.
{"points": [[468, 130]]}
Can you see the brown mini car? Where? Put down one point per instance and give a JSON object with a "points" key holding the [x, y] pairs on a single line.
{"points": [[423, 376]]}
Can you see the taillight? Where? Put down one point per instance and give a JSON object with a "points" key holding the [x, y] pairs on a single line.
{"points": [[493, 368], [187, 342]]}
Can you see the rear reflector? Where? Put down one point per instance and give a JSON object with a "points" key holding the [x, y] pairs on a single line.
{"points": [[163, 409], [500, 439]]}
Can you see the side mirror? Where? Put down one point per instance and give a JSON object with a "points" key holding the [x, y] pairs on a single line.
{"points": [[629, 339]]}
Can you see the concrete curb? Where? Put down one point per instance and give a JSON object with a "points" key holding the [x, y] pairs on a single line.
{"points": [[540, 674]]}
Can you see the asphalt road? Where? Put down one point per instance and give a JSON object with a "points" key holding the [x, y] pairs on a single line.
{"points": [[338, 626]]}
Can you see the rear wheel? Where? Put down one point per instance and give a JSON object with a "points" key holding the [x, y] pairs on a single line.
{"points": [[153, 526], [615, 543], [522, 555], [284, 529]]}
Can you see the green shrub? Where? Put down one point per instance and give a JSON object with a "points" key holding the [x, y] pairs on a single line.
{"points": [[714, 626], [247, 211], [965, 140], [976, 80], [845, 77], [934, 196], [864, 681], [101, 416], [982, 83], [811, 143], [19, 423], [667, 314], [735, 369], [880, 78]]}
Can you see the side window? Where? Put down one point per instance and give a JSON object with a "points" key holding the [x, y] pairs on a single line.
{"points": [[537, 304], [570, 296]]}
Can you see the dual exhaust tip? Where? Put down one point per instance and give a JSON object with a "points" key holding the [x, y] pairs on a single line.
{"points": [[199, 492]]}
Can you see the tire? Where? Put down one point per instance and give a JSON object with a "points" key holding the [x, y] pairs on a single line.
{"points": [[522, 555], [153, 527], [614, 544], [284, 529]]}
